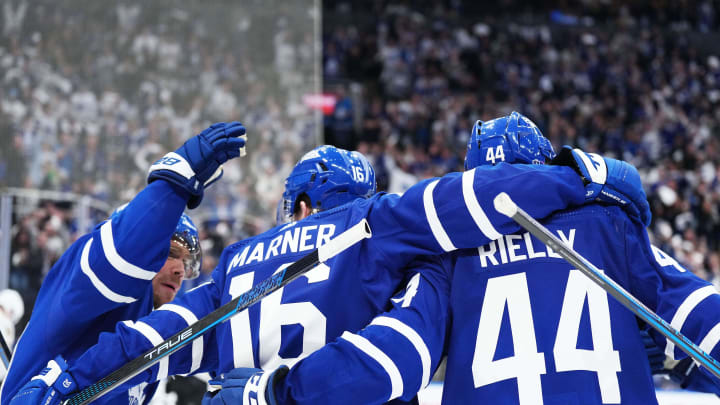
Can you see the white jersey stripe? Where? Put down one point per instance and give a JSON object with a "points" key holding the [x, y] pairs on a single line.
{"points": [[435, 226], [684, 311], [197, 344], [477, 213], [711, 339], [99, 285], [155, 339], [120, 264], [396, 383], [414, 338]]}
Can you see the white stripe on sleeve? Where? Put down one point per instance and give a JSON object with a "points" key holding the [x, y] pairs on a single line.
{"points": [[155, 339], [120, 264], [99, 285], [435, 226], [197, 344], [385, 362], [414, 338], [684, 311], [477, 213], [711, 339]]}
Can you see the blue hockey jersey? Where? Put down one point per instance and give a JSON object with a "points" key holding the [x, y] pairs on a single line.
{"points": [[343, 295], [393, 357], [103, 278], [525, 327]]}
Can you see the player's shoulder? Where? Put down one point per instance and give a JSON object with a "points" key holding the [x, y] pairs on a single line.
{"points": [[72, 255], [599, 221], [234, 247], [364, 204], [601, 213]]}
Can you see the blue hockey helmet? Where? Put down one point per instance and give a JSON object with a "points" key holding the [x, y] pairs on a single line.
{"points": [[512, 139], [329, 177], [187, 235]]}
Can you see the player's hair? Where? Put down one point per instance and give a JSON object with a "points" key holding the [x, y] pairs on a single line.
{"points": [[304, 198]]}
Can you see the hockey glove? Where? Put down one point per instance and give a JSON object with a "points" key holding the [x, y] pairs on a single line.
{"points": [[656, 356], [51, 386], [196, 164], [245, 386], [691, 377], [608, 180]]}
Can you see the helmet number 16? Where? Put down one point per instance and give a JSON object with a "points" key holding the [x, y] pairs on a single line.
{"points": [[358, 173]]}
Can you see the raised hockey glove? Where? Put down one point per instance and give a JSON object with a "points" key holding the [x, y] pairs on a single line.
{"points": [[52, 385], [245, 386], [608, 180], [196, 164]]}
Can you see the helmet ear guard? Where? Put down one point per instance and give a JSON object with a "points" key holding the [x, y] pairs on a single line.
{"points": [[512, 139]]}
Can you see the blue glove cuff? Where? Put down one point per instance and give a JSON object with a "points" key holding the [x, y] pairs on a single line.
{"points": [[273, 381]]}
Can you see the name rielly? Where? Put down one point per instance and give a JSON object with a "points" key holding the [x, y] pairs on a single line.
{"points": [[515, 248]]}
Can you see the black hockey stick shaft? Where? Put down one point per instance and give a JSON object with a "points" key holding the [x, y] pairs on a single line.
{"points": [[351, 236], [6, 353], [504, 204]]}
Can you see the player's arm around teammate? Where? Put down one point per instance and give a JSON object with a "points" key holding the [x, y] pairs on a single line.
{"points": [[415, 224], [392, 358], [376, 364]]}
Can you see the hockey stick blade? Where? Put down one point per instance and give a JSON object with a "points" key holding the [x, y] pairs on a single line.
{"points": [[350, 237], [504, 204]]}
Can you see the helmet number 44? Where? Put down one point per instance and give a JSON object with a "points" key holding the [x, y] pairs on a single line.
{"points": [[497, 154]]}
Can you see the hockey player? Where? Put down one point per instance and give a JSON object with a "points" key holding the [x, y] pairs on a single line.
{"points": [[128, 265], [525, 327], [356, 284]]}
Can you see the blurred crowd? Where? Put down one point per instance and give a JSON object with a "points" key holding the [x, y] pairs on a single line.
{"points": [[637, 81], [91, 93]]}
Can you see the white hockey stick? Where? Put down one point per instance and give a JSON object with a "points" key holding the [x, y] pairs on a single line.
{"points": [[505, 205]]}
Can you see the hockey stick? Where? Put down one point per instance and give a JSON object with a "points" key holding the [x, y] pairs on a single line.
{"points": [[351, 236], [5, 354], [505, 205]]}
